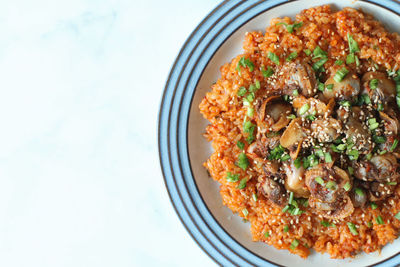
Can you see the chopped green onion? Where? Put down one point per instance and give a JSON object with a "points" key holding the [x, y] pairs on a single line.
{"points": [[291, 56], [366, 98], [321, 87], [391, 183], [304, 109], [230, 177], [319, 153], [273, 57], [394, 145], [382, 152], [331, 185], [341, 147], [353, 46], [255, 198], [397, 216], [243, 161], [359, 192], [379, 139], [328, 157], [285, 208], [250, 97], [242, 183], [373, 84], [291, 27], [319, 53], [258, 84], [339, 62], [329, 87], [266, 234], [319, 180], [347, 186], [317, 65], [286, 229], [368, 156], [350, 59], [373, 124], [307, 52], [250, 112], [240, 144], [291, 116], [291, 195], [345, 103], [296, 92], [373, 205], [351, 170], [285, 157], [340, 74], [245, 212], [379, 220], [252, 88], [325, 223], [267, 73], [369, 224], [352, 228], [353, 154], [294, 244], [242, 91], [244, 62], [297, 163]]}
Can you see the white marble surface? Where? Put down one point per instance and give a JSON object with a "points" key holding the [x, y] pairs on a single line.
{"points": [[81, 82]]}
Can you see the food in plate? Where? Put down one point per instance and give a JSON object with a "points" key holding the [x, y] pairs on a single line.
{"points": [[305, 130]]}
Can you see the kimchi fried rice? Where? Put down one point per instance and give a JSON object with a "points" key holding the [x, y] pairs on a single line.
{"points": [[305, 130]]}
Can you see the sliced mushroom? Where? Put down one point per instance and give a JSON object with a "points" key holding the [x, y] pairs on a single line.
{"points": [[326, 130], [272, 114], [307, 106], [391, 121], [294, 181], [379, 191], [337, 210], [301, 75], [384, 89], [345, 89], [272, 190], [326, 184], [381, 168], [292, 137]]}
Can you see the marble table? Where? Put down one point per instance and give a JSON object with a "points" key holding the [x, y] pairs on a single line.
{"points": [[81, 82]]}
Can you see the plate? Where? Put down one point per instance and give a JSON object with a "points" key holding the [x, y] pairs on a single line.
{"points": [[183, 149]]}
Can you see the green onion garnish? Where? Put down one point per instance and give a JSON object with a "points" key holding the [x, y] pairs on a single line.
{"points": [[353, 46], [373, 84], [319, 180], [297, 163], [394, 145], [351, 170], [291, 27], [379, 220], [245, 212], [266, 234], [391, 183], [267, 73], [317, 65], [296, 92], [352, 228], [230, 177], [329, 87], [340, 74], [307, 52], [285, 157], [331, 185], [291, 195], [242, 91], [304, 109], [252, 88], [243, 161], [345, 103], [250, 112], [273, 57], [240, 144], [328, 157], [291, 56], [373, 205], [350, 59], [258, 84], [285, 228], [294, 244], [291, 116], [242, 183], [397, 216], [255, 197], [359, 192], [319, 53], [347, 186], [325, 223], [339, 62]]}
